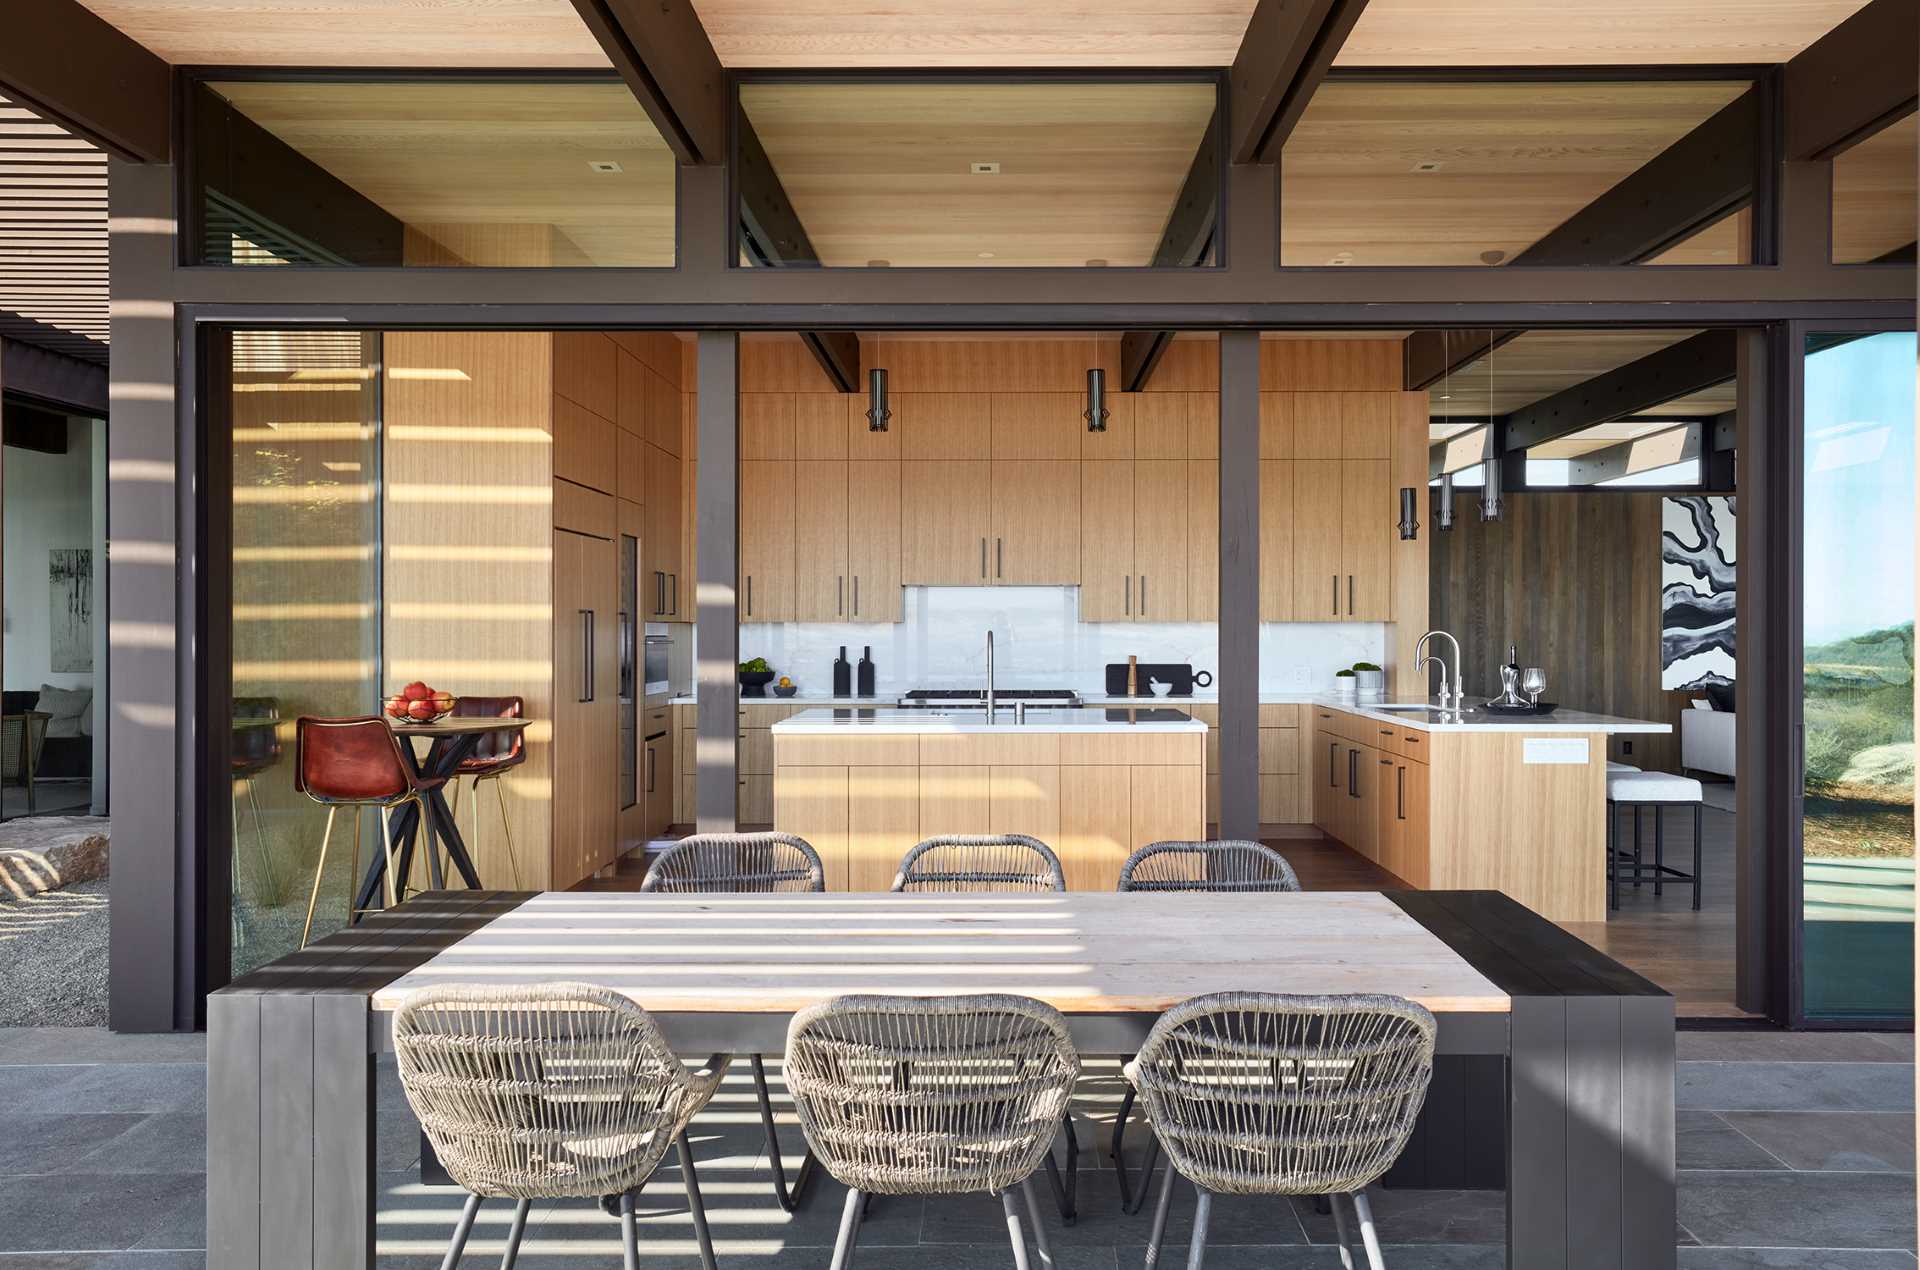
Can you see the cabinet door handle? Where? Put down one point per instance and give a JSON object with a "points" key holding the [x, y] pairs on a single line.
{"points": [[1353, 773], [1143, 595], [983, 557], [841, 602], [1349, 595], [1129, 609], [999, 558], [1333, 762], [651, 752], [1400, 793], [749, 595], [674, 608], [856, 595], [1336, 595], [586, 655]]}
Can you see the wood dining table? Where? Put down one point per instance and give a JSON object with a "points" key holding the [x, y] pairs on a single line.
{"points": [[451, 742], [1553, 1079]]}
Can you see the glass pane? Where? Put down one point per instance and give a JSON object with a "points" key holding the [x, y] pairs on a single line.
{"points": [[977, 174], [306, 600], [441, 172], [1385, 173], [1874, 188], [1858, 580]]}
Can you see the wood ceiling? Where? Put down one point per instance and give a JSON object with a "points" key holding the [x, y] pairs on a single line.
{"points": [[495, 174], [1513, 162], [882, 171], [53, 237], [546, 33], [1874, 193], [1536, 364]]}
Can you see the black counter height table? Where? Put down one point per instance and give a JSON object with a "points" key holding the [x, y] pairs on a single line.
{"points": [[1554, 1079]]}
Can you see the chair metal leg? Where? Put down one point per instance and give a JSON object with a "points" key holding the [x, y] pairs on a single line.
{"points": [[353, 866], [1197, 1249], [695, 1204], [1341, 1231], [460, 1232], [1070, 1185], [1698, 877], [1061, 1195], [1014, 1235], [789, 1197], [1159, 1215], [1368, 1235], [515, 1233], [1659, 851], [849, 1230], [1041, 1244], [319, 871], [629, 1234], [1115, 1151], [1146, 1172], [260, 843], [386, 845], [506, 828]]}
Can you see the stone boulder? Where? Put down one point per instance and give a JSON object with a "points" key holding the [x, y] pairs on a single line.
{"points": [[45, 853]]}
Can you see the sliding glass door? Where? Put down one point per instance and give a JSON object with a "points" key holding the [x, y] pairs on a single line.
{"points": [[1857, 689]]}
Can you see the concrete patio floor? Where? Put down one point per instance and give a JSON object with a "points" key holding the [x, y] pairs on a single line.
{"points": [[1795, 1151]]}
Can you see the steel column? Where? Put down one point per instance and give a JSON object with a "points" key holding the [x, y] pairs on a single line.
{"points": [[1239, 631], [716, 795]]}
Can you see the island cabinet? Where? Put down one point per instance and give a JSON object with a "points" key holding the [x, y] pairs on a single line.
{"points": [[1484, 806], [865, 800]]}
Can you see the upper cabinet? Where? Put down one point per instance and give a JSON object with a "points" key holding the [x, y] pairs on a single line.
{"points": [[1036, 522], [946, 523]]}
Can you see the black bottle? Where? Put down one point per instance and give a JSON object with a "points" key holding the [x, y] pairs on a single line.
{"points": [[842, 675], [866, 671]]}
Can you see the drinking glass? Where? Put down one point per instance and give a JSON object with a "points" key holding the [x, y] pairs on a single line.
{"points": [[1533, 682]]}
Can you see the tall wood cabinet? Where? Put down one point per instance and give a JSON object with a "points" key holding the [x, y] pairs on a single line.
{"points": [[1135, 564], [586, 724]]}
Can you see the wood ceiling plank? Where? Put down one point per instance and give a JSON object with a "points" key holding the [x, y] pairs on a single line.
{"points": [[1874, 193]]}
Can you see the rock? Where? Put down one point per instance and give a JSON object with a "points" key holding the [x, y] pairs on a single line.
{"points": [[45, 853], [1881, 765]]}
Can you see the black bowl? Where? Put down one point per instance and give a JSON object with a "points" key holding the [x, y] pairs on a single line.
{"points": [[1545, 707], [753, 683]]}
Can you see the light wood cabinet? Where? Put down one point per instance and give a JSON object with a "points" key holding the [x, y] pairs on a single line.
{"points": [[1366, 539], [942, 425], [1038, 425], [820, 425], [819, 531], [1203, 540], [663, 428], [873, 542], [1107, 509], [1134, 523], [1342, 537], [1403, 818], [946, 519], [585, 371], [1317, 529], [586, 720], [766, 541], [585, 450], [665, 594], [1096, 824], [1276, 540], [1160, 540], [1036, 522]]}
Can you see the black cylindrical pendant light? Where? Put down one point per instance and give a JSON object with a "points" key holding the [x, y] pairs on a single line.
{"points": [[1409, 523], [1096, 411], [877, 412], [1445, 518], [1490, 504]]}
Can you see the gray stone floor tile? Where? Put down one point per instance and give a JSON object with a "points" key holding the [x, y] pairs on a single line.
{"points": [[1420, 1217], [171, 1142], [1793, 1047], [1320, 1257], [1798, 1210], [107, 1088], [169, 1260], [1772, 1086], [101, 1211], [1706, 1141], [44, 1143], [98, 1045], [1795, 1259], [1862, 1141]]}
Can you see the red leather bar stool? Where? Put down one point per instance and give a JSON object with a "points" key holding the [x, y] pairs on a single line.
{"points": [[491, 758], [353, 763]]}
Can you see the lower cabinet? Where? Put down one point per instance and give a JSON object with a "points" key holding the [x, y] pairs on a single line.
{"points": [[1368, 794], [586, 722]]}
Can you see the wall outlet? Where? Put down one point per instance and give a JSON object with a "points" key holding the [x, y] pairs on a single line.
{"points": [[1303, 677], [1626, 747]]}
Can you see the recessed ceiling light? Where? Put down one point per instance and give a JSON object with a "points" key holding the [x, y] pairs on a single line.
{"points": [[1492, 257], [879, 264], [604, 165], [1427, 165], [1341, 258], [985, 169], [1096, 263], [1446, 396], [986, 255]]}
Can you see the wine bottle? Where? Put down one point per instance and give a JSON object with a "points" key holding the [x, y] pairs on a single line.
{"points": [[865, 681], [842, 675]]}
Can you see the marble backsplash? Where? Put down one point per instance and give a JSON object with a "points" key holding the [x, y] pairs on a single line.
{"points": [[1040, 642]]}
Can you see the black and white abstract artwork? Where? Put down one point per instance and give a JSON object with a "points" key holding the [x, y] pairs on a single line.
{"points": [[1696, 592], [70, 632]]}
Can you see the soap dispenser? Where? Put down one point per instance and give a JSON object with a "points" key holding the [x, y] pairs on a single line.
{"points": [[865, 681], [842, 675]]}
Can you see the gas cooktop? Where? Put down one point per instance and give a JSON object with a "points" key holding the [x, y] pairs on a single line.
{"points": [[978, 696]]}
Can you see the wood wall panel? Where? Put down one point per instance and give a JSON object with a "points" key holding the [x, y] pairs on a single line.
{"points": [[1574, 580], [469, 596]]}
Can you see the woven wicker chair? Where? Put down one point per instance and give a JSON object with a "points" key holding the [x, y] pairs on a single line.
{"points": [[747, 863], [998, 862], [23, 737], [1262, 1094], [549, 1091], [932, 1096], [1227, 865]]}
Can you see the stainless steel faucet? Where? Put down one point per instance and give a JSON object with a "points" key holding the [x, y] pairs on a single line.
{"points": [[991, 703], [1458, 697]]}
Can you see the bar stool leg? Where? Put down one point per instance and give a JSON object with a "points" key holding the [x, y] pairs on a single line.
{"points": [[1613, 856], [386, 845], [1659, 849], [1638, 867], [506, 828], [1698, 877], [353, 865], [319, 871]]}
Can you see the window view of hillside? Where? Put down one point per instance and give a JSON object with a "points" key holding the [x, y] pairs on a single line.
{"points": [[1858, 681]]}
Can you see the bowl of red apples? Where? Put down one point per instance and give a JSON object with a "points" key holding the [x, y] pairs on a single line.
{"points": [[417, 703]]}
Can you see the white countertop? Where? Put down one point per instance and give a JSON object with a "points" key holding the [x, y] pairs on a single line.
{"points": [[921, 720], [1429, 718]]}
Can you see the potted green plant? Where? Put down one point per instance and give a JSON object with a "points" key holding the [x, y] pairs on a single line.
{"points": [[1369, 679], [1344, 683], [755, 675]]}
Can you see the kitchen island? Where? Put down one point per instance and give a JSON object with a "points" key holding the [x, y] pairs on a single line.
{"points": [[864, 785], [1476, 800]]}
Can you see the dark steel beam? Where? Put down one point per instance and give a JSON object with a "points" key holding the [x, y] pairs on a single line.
{"points": [[1287, 50], [1724, 429], [1140, 353], [1686, 187], [838, 353], [1433, 355], [1687, 367], [716, 795], [664, 55], [53, 379], [1188, 240], [1853, 81], [62, 61], [1239, 631], [293, 198]]}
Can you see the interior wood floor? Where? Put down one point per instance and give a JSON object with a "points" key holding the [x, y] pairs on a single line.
{"points": [[1689, 954]]}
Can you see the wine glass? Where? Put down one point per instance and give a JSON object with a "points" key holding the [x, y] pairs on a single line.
{"points": [[1533, 682]]}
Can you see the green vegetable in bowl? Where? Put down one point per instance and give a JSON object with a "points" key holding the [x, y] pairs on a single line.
{"points": [[1343, 674], [754, 667], [1365, 665]]}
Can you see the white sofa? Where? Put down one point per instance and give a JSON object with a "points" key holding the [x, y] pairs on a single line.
{"points": [[1706, 741]]}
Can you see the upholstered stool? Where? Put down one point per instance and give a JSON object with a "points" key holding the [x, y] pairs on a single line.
{"points": [[1658, 790], [1615, 769]]}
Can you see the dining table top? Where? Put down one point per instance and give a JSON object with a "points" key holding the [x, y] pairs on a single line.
{"points": [[1084, 952], [456, 725]]}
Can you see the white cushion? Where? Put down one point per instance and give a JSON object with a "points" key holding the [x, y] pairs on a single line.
{"points": [[70, 707], [1613, 767], [1652, 787], [1708, 741]]}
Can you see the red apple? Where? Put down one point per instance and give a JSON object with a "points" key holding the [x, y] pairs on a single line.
{"points": [[397, 707], [416, 691], [420, 709], [442, 701]]}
